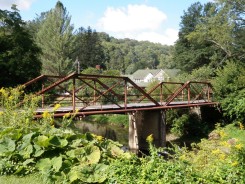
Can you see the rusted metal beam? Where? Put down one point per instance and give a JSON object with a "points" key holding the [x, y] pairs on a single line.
{"points": [[102, 94], [149, 92], [128, 110], [88, 76], [107, 87], [142, 91], [34, 80], [56, 83], [177, 93]]}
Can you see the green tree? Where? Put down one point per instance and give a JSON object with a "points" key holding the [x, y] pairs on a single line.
{"points": [[89, 49], [188, 54], [230, 90], [225, 30], [55, 38], [18, 53]]}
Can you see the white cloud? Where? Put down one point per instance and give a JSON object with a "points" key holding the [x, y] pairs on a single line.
{"points": [[132, 18], [138, 22], [21, 4]]}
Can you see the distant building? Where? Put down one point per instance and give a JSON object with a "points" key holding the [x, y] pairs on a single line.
{"points": [[144, 76]]}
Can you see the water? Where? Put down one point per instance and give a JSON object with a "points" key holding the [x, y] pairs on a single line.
{"points": [[110, 131]]}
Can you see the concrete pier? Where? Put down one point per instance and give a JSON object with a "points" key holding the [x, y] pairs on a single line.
{"points": [[143, 124]]}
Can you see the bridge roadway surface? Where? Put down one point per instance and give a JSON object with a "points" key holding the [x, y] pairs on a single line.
{"points": [[112, 108]]}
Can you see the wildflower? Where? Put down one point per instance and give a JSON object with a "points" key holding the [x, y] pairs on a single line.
{"points": [[225, 144], [99, 138], [2, 90], [234, 163], [222, 134], [217, 151], [150, 138], [67, 115], [222, 156], [56, 107], [46, 114], [1, 113], [11, 97], [241, 126], [239, 146]]}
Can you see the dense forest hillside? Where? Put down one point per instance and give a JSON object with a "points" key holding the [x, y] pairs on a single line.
{"points": [[129, 55]]}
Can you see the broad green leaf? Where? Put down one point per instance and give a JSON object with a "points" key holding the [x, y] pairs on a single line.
{"points": [[71, 153], [116, 151], [44, 165], [7, 146], [27, 151], [56, 163], [73, 176], [42, 141], [63, 143], [38, 151], [56, 141], [92, 154], [92, 173], [86, 155], [99, 175], [76, 143], [27, 138]]}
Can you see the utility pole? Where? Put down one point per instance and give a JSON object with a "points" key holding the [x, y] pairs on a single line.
{"points": [[77, 64]]}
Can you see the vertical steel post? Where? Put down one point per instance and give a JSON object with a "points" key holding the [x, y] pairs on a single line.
{"points": [[125, 94], [189, 93], [183, 95], [42, 96], [161, 94], [94, 92], [208, 93], [73, 94]]}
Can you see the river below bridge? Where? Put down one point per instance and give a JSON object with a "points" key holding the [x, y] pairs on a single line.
{"points": [[111, 131]]}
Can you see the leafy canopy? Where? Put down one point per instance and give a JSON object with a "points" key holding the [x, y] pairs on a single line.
{"points": [[19, 55]]}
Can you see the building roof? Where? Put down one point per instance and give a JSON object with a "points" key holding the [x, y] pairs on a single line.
{"points": [[141, 74]]}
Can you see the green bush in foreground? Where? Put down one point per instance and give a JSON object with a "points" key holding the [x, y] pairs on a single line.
{"points": [[63, 156], [58, 154]]}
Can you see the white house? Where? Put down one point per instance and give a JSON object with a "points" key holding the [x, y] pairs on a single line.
{"points": [[144, 76]]}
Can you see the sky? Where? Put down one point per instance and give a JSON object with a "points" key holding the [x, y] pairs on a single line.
{"points": [[144, 20]]}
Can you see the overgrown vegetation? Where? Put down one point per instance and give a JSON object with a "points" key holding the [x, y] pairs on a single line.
{"points": [[60, 155], [65, 156]]}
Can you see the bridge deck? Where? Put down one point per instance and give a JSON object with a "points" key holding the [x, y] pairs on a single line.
{"points": [[112, 108]]}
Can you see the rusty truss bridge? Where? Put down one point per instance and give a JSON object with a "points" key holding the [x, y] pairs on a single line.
{"points": [[82, 94]]}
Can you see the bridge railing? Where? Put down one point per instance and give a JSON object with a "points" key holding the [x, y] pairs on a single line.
{"points": [[83, 92]]}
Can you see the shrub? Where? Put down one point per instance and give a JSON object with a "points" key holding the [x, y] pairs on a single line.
{"points": [[17, 108]]}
